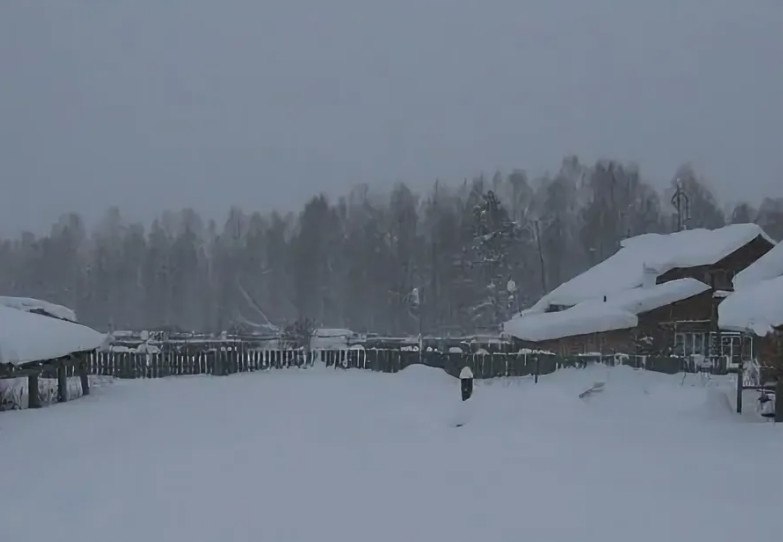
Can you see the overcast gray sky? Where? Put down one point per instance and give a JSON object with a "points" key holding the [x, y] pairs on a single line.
{"points": [[165, 104]]}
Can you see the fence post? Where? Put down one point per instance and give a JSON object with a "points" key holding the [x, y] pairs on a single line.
{"points": [[740, 384], [538, 368], [85, 381], [220, 363], [33, 397], [62, 383]]}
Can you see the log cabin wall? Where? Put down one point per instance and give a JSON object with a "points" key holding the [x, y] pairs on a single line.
{"points": [[609, 342]]}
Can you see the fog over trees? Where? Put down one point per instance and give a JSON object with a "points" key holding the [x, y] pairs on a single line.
{"points": [[458, 258]]}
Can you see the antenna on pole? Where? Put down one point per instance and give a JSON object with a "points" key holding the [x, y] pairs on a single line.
{"points": [[682, 203]]}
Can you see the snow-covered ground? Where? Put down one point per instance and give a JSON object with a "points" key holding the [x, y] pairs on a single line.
{"points": [[324, 455]]}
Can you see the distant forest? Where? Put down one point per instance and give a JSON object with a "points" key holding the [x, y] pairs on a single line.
{"points": [[457, 259]]}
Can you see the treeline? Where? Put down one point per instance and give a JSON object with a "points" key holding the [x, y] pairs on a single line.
{"points": [[457, 259]]}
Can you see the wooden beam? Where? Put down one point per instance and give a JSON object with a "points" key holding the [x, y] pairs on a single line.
{"points": [[62, 383], [33, 394], [85, 380]]}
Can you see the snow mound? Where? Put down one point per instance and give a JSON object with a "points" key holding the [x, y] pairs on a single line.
{"points": [[27, 337], [423, 373]]}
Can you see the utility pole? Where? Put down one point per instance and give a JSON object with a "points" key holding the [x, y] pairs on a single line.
{"points": [[541, 258], [682, 203]]}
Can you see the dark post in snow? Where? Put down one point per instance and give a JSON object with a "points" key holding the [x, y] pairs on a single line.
{"points": [[740, 378], [85, 381], [62, 382], [779, 399], [466, 382], [538, 368], [33, 397]]}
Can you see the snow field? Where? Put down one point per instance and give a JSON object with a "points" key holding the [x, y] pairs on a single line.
{"points": [[305, 455]]}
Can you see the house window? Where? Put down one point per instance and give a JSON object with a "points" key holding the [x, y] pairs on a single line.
{"points": [[699, 348], [679, 344], [689, 344]]}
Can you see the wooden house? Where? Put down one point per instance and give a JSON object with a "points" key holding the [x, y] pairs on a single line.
{"points": [[658, 295]]}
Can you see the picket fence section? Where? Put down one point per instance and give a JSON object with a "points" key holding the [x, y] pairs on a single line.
{"points": [[230, 361], [225, 361]]}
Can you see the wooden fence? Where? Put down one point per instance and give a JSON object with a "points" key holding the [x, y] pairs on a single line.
{"points": [[227, 361], [236, 359]]}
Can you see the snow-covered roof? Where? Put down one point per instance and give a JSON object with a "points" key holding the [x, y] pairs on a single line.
{"points": [[768, 266], [619, 311], [27, 337], [29, 304], [643, 258], [757, 308], [757, 302], [568, 323]]}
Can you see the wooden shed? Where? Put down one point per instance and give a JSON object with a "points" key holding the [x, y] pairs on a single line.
{"points": [[33, 345]]}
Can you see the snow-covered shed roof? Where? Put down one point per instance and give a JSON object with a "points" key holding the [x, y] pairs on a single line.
{"points": [[757, 308], [28, 337], [757, 302], [619, 311], [29, 304], [645, 257], [769, 266]]}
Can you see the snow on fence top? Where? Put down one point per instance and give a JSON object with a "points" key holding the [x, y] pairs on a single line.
{"points": [[328, 332], [769, 266], [27, 337], [757, 308], [619, 311], [648, 256], [29, 304]]}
